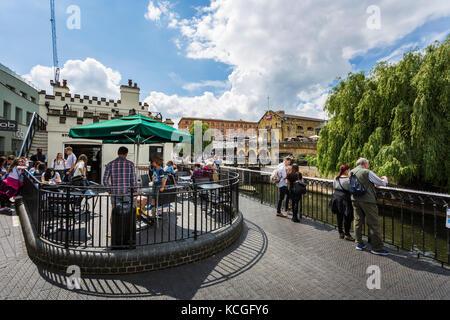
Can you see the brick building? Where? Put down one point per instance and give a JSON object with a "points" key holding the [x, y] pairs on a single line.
{"points": [[220, 127]]}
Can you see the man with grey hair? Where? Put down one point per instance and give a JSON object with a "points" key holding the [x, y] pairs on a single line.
{"points": [[365, 207]]}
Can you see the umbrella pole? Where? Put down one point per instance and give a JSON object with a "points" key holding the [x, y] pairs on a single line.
{"points": [[137, 155]]}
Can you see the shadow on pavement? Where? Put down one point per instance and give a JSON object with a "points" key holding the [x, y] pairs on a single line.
{"points": [[181, 282]]}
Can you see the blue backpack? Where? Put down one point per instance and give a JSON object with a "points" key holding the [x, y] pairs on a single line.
{"points": [[356, 188]]}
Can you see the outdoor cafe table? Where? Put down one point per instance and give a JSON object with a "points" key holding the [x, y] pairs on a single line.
{"points": [[210, 187]]}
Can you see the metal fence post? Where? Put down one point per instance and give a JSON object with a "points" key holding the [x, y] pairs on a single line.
{"points": [[66, 245], [195, 211]]}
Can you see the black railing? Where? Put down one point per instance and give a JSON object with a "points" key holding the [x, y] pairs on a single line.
{"points": [[36, 124], [98, 218], [409, 219]]}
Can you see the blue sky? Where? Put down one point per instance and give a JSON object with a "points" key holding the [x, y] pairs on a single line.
{"points": [[216, 59], [113, 32]]}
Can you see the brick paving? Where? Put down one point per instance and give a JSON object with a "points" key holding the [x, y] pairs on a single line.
{"points": [[274, 259]]}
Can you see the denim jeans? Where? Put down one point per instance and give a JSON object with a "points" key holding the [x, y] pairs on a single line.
{"points": [[284, 193]]}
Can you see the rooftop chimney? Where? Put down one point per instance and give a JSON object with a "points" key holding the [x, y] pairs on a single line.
{"points": [[135, 85], [64, 83], [130, 82], [280, 112]]}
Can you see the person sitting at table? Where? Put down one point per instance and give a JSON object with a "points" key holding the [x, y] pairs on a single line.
{"points": [[38, 170], [159, 179], [198, 172], [170, 168], [51, 176], [209, 170], [34, 168]]}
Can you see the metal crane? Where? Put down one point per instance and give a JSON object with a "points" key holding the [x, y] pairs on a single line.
{"points": [[55, 51]]}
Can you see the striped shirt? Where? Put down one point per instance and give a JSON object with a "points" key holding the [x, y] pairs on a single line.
{"points": [[121, 175]]}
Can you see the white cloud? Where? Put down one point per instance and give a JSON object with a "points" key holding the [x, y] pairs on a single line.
{"points": [[288, 49], [162, 9], [153, 12], [192, 86], [88, 77]]}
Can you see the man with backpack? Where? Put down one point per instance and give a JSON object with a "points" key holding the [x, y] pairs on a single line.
{"points": [[362, 189], [278, 177]]}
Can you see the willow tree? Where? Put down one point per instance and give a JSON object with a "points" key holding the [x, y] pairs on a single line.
{"points": [[397, 116]]}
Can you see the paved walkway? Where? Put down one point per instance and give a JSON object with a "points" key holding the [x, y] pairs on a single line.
{"points": [[274, 259]]}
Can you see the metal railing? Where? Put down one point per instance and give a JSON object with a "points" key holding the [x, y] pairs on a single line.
{"points": [[409, 219], [98, 218], [36, 124]]}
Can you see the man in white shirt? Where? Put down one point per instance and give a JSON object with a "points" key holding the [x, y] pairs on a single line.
{"points": [[283, 186], [71, 161]]}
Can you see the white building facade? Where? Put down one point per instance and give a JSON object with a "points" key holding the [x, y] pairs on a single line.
{"points": [[63, 110]]}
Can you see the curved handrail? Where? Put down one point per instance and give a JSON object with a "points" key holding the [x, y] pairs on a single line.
{"points": [[387, 188]]}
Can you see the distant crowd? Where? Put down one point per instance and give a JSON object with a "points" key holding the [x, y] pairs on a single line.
{"points": [[13, 169]]}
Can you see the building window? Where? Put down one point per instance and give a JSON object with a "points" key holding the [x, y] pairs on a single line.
{"points": [[299, 128], [29, 116], [24, 95], [6, 110], [310, 129], [18, 115], [2, 145], [33, 99], [10, 87]]}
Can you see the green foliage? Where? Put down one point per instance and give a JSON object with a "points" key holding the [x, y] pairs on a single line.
{"points": [[311, 160], [397, 117], [205, 127]]}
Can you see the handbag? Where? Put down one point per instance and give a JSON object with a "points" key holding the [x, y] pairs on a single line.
{"points": [[77, 181]]}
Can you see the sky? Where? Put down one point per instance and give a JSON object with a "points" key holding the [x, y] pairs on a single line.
{"points": [[215, 58]]}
